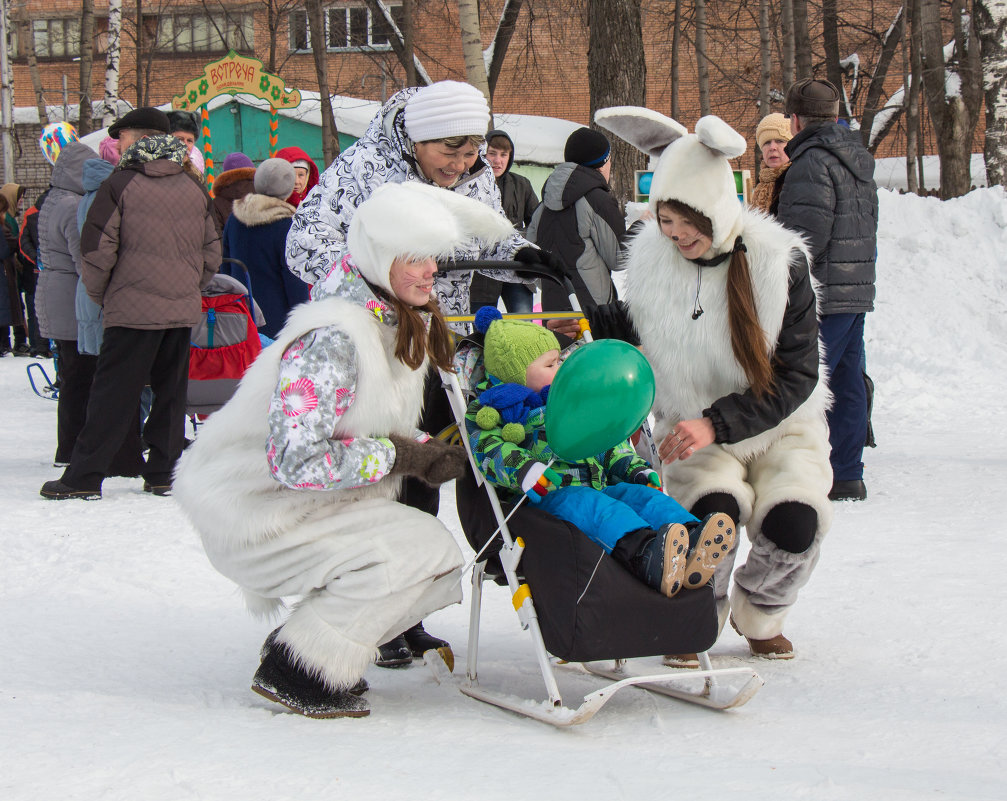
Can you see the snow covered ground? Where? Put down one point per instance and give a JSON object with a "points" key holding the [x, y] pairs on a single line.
{"points": [[126, 659]]}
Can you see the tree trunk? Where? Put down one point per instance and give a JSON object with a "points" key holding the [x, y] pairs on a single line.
{"points": [[830, 39], [409, 61], [914, 163], [272, 25], [893, 38], [28, 37], [953, 114], [766, 71], [991, 19], [787, 34], [501, 40], [802, 42], [701, 62], [472, 46], [407, 42], [617, 76], [110, 109], [139, 56], [85, 119], [316, 29], [676, 41]]}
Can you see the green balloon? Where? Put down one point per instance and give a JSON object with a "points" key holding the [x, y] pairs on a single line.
{"points": [[600, 396]]}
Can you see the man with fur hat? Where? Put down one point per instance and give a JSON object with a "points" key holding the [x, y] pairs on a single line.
{"points": [[149, 244], [579, 220], [256, 234], [830, 197], [293, 484], [771, 135]]}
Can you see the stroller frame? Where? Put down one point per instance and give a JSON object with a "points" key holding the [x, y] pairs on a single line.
{"points": [[723, 688]]}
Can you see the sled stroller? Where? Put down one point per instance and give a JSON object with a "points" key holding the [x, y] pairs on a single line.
{"points": [[587, 609], [224, 344]]}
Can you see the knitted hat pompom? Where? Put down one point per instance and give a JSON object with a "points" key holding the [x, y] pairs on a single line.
{"points": [[513, 432], [487, 418], [485, 317]]}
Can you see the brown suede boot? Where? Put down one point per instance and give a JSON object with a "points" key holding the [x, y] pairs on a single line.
{"points": [[778, 647], [687, 661]]}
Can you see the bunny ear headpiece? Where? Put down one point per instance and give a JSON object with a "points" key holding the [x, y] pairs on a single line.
{"points": [[417, 221], [691, 168]]}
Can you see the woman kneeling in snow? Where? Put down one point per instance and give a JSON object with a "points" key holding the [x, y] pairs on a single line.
{"points": [[292, 484]]}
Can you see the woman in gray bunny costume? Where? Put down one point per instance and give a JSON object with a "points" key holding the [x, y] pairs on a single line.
{"points": [[723, 301]]}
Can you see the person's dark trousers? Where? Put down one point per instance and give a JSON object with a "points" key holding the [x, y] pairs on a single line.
{"points": [[436, 417], [843, 337], [128, 357], [76, 373], [27, 281], [484, 291]]}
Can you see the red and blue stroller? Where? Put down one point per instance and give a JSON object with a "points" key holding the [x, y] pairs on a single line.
{"points": [[587, 609]]}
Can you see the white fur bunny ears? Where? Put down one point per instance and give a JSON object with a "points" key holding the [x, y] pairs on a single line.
{"points": [[691, 168]]}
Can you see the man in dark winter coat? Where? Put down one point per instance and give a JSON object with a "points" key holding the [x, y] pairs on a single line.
{"points": [[579, 219], [148, 246], [829, 195], [519, 203]]}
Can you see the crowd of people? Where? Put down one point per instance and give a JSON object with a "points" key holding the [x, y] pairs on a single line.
{"points": [[319, 478]]}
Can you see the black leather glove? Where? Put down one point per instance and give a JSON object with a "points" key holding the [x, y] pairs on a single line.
{"points": [[537, 256], [433, 462]]}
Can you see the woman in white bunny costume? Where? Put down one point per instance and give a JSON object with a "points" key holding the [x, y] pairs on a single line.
{"points": [[292, 484], [723, 301]]}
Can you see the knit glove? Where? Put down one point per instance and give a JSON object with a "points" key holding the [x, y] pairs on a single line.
{"points": [[649, 477], [433, 462], [539, 481]]}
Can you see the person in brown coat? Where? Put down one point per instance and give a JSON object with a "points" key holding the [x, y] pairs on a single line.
{"points": [[148, 246], [234, 182]]}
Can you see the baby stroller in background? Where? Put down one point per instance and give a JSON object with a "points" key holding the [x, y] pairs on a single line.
{"points": [[588, 609], [224, 344]]}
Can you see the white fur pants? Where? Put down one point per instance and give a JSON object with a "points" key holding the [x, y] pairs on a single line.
{"points": [[794, 468], [365, 571]]}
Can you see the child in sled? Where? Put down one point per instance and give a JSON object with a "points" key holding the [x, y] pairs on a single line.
{"points": [[614, 498]]}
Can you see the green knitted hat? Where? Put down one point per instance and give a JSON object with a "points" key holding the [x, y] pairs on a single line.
{"points": [[511, 345]]}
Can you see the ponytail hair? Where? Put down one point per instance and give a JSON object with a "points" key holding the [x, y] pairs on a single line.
{"points": [[748, 339], [413, 343]]}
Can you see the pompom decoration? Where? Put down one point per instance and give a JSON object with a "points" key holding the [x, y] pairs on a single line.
{"points": [[486, 316], [487, 418], [513, 432]]}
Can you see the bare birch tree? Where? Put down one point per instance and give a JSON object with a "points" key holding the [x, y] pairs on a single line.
{"points": [[765, 59], [702, 62], [110, 106], [85, 119], [991, 21], [472, 45], [787, 35], [802, 41]]}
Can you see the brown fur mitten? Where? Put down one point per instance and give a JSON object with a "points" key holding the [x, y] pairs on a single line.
{"points": [[433, 462]]}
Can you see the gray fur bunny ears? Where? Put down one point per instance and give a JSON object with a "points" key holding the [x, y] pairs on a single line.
{"points": [[651, 132]]}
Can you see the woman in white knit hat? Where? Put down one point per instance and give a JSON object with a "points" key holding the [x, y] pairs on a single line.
{"points": [[724, 305], [434, 135], [771, 135]]}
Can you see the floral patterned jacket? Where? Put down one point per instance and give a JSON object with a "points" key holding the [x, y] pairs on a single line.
{"points": [[316, 387]]}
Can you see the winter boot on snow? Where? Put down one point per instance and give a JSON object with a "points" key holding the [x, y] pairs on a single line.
{"points": [[394, 654], [357, 689], [778, 647], [420, 641], [286, 683], [660, 562], [710, 540]]}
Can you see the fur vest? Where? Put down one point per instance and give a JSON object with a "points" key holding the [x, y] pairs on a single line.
{"points": [[694, 364], [223, 481]]}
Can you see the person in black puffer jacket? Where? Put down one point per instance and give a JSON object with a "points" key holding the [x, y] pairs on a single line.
{"points": [[830, 197]]}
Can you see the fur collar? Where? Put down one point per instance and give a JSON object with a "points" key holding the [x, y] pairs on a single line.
{"points": [[254, 210], [226, 179]]}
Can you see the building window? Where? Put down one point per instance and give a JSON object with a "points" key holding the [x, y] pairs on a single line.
{"points": [[56, 38], [201, 33], [347, 28]]}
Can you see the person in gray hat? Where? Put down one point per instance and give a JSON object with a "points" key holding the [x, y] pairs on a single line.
{"points": [[829, 195], [256, 234]]}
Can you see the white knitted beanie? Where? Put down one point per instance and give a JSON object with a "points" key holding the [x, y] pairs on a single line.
{"points": [[417, 221], [445, 109]]}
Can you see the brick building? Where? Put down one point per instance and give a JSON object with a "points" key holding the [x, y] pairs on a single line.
{"points": [[545, 72]]}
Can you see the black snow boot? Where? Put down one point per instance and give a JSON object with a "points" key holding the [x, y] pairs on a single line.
{"points": [[280, 680], [420, 641], [394, 654], [357, 689]]}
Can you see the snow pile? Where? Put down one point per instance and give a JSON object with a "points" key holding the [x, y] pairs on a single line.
{"points": [[127, 659]]}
